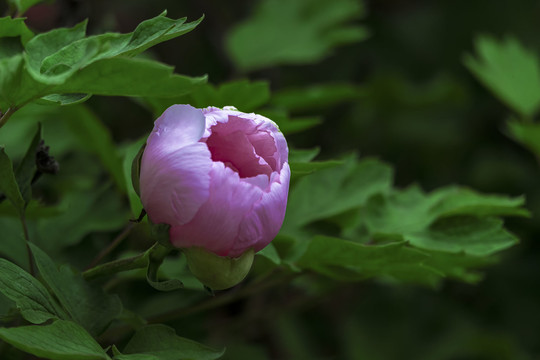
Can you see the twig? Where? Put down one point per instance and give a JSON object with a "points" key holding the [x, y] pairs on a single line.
{"points": [[119, 238], [5, 116]]}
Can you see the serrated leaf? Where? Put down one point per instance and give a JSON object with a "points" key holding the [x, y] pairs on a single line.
{"points": [[32, 299], [61, 340], [464, 234], [333, 191], [87, 305], [293, 32], [8, 183], [349, 261], [509, 70], [162, 342]]}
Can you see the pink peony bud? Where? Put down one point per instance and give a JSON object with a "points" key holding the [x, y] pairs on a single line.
{"points": [[219, 177]]}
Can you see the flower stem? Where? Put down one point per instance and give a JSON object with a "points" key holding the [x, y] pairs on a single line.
{"points": [[156, 253], [5, 116], [113, 245]]}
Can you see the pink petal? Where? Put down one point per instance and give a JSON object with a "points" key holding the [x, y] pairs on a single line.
{"points": [[215, 226], [175, 185], [262, 224], [178, 126]]}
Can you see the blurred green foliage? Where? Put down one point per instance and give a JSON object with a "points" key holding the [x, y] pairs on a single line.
{"points": [[402, 95]]}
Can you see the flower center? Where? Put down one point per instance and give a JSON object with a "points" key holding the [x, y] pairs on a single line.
{"points": [[242, 147]]}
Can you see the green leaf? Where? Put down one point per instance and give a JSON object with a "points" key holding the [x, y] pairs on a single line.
{"points": [[14, 27], [316, 97], [23, 5], [528, 134], [303, 155], [349, 261], [8, 183], [509, 70], [27, 168], [270, 253], [459, 266], [32, 299], [61, 340], [293, 32], [464, 234], [288, 125], [333, 191], [63, 99], [303, 168], [128, 77], [129, 153], [87, 305], [162, 342]]}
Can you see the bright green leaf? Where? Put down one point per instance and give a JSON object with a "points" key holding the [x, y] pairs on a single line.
{"points": [[508, 69], [32, 299], [61, 340], [162, 342], [294, 32], [15, 27]]}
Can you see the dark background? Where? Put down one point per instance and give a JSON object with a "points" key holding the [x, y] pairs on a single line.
{"points": [[422, 112]]}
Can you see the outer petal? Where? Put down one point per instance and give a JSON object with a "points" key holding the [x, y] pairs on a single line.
{"points": [[262, 224], [175, 185], [178, 126], [215, 226]]}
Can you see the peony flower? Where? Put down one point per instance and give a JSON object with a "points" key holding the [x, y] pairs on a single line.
{"points": [[218, 177]]}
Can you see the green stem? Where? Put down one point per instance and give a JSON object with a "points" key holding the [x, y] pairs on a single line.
{"points": [[5, 116], [156, 253]]}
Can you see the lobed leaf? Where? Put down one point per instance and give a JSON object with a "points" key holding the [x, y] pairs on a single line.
{"points": [[509, 70], [293, 32]]}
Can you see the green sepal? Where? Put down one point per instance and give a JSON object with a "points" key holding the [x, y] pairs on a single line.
{"points": [[218, 272], [136, 170]]}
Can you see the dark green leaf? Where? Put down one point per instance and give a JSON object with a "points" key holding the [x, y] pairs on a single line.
{"points": [[8, 184], [528, 134], [129, 153], [303, 155], [162, 342], [270, 253], [87, 305], [32, 299], [349, 261], [508, 69], [305, 168], [61, 340], [27, 168], [63, 99], [293, 32], [464, 234]]}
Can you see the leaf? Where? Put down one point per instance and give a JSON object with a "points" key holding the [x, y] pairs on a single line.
{"points": [[15, 27], [303, 155], [464, 234], [288, 125], [305, 168], [129, 153], [316, 97], [27, 168], [8, 184], [128, 77], [293, 32], [87, 305], [61, 340], [23, 5], [528, 134], [333, 191], [30, 296], [270, 253], [349, 261], [509, 70], [63, 99], [162, 342]]}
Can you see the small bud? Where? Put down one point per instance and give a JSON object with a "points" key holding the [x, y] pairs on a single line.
{"points": [[218, 272]]}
